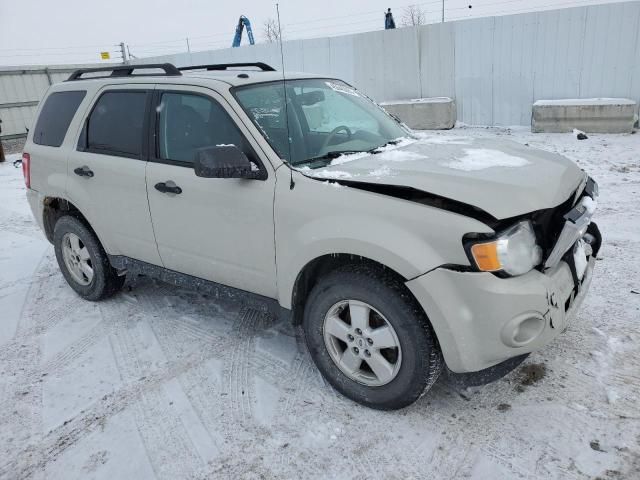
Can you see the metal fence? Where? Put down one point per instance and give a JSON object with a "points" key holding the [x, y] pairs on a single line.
{"points": [[495, 67], [21, 88]]}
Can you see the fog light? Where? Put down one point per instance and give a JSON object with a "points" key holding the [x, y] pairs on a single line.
{"points": [[523, 329]]}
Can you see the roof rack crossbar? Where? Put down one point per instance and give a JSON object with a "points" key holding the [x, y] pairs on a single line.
{"points": [[126, 70], [224, 66]]}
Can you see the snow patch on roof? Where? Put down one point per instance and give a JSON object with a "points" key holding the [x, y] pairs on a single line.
{"points": [[481, 158]]}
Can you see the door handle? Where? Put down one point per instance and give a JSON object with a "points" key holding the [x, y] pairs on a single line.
{"points": [[168, 187], [83, 171]]}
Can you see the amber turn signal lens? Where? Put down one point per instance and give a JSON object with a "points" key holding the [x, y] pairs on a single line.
{"points": [[486, 256]]}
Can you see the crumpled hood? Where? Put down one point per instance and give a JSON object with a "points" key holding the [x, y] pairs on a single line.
{"points": [[503, 178]]}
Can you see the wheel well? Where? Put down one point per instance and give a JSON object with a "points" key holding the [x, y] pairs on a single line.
{"points": [[54, 208], [317, 268]]}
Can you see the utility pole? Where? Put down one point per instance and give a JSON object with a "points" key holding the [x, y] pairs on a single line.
{"points": [[442, 11], [123, 51]]}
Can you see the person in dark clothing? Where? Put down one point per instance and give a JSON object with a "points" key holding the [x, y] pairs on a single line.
{"points": [[388, 20]]}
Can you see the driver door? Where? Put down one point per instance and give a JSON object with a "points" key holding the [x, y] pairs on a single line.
{"points": [[219, 229]]}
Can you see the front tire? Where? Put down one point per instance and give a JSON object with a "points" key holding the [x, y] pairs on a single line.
{"points": [[370, 339], [83, 262]]}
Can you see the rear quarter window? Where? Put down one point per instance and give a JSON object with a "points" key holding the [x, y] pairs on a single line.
{"points": [[55, 117]]}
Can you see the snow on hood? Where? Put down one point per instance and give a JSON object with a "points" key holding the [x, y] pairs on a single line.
{"points": [[480, 158], [501, 177], [324, 173], [387, 153]]}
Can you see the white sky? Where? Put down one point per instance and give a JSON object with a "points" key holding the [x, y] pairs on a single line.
{"points": [[75, 31]]}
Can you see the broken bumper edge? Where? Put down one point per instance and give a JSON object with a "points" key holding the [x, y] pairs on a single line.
{"points": [[482, 320]]}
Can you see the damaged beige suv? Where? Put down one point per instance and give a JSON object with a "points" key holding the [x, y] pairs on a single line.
{"points": [[397, 252]]}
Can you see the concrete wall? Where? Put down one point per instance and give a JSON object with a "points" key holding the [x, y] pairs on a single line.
{"points": [[494, 68]]}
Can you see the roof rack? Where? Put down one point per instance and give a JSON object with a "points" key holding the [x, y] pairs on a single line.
{"points": [[224, 66], [126, 71]]}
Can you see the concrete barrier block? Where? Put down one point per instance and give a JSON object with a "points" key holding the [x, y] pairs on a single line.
{"points": [[438, 113], [591, 115]]}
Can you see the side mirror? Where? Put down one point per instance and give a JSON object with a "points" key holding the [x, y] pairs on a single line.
{"points": [[223, 161]]}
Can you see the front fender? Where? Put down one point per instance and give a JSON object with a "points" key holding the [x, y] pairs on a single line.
{"points": [[317, 218]]}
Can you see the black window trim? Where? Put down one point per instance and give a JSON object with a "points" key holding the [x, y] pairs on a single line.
{"points": [[144, 154], [154, 134], [64, 137]]}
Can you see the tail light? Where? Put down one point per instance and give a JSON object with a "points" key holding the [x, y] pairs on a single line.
{"points": [[26, 169]]}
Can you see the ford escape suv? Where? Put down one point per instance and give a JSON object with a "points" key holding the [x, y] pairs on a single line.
{"points": [[398, 252]]}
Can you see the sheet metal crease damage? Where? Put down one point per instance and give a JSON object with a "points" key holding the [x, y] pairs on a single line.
{"points": [[418, 196]]}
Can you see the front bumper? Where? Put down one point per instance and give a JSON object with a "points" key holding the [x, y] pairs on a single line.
{"points": [[482, 320]]}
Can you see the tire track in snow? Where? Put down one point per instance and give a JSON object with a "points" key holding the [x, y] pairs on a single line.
{"points": [[302, 379], [21, 395], [34, 457], [21, 225], [176, 339], [510, 464], [77, 348], [168, 445], [212, 399], [42, 319], [236, 376], [181, 333], [59, 439]]}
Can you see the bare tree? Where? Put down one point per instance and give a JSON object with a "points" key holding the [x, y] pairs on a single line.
{"points": [[271, 30], [413, 16]]}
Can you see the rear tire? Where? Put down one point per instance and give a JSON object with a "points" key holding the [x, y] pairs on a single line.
{"points": [[380, 367], [83, 262]]}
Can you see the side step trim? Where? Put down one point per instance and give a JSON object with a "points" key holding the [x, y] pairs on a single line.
{"points": [[218, 290]]}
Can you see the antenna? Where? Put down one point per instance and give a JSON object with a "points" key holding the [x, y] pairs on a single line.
{"points": [[286, 103]]}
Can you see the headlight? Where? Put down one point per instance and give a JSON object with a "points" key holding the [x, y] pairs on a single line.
{"points": [[514, 251]]}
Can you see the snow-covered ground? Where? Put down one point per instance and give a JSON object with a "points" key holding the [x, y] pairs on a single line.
{"points": [[164, 383]]}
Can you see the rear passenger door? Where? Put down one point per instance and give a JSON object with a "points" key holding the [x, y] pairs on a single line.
{"points": [[106, 177], [220, 229]]}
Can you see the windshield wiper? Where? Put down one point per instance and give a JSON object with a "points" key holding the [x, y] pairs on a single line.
{"points": [[376, 150], [323, 160]]}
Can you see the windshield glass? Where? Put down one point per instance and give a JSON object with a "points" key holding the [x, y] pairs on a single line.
{"points": [[327, 118]]}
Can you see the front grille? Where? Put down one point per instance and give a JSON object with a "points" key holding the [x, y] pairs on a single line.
{"points": [[548, 224]]}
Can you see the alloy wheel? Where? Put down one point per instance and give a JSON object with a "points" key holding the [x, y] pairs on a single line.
{"points": [[77, 259], [362, 343]]}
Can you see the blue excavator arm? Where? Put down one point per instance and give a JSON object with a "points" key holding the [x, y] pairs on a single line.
{"points": [[242, 23]]}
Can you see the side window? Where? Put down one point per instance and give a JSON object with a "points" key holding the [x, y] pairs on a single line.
{"points": [[187, 122], [55, 117], [115, 125]]}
